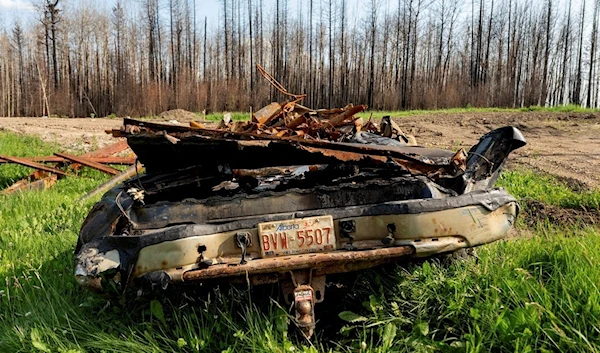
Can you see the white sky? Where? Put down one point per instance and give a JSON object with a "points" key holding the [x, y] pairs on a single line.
{"points": [[23, 11]]}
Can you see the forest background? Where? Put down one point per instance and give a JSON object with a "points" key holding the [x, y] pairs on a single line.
{"points": [[141, 57]]}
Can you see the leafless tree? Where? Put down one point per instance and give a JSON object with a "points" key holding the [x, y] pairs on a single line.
{"points": [[143, 57]]}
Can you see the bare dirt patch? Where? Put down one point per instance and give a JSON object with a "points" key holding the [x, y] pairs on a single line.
{"points": [[536, 211], [566, 145], [81, 135], [177, 115]]}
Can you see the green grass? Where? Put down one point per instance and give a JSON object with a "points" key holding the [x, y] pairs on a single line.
{"points": [[521, 295], [404, 113], [568, 108], [539, 294], [234, 115], [547, 189]]}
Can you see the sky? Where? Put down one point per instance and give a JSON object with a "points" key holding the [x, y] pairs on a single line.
{"points": [[11, 10], [23, 11]]}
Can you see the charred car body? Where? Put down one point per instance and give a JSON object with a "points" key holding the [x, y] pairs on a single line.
{"points": [[239, 205]]}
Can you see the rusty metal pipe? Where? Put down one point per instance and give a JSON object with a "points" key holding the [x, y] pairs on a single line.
{"points": [[299, 262], [112, 182]]}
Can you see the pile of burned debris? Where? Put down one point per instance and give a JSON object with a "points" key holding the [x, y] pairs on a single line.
{"points": [[290, 196], [293, 120], [222, 152]]}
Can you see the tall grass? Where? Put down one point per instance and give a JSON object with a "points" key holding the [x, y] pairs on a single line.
{"points": [[536, 294]]}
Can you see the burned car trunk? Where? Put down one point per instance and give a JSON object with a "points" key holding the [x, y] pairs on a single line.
{"points": [[239, 205]]}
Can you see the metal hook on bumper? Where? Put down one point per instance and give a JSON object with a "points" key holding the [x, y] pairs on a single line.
{"points": [[243, 240]]}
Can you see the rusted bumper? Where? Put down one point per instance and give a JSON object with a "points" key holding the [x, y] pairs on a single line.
{"points": [[322, 264], [207, 252]]}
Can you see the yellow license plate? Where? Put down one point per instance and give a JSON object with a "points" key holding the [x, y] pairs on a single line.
{"points": [[297, 236]]}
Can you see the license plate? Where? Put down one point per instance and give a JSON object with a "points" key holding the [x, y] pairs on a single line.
{"points": [[296, 236]]}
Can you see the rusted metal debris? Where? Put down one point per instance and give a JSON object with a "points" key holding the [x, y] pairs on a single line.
{"points": [[45, 176], [240, 149], [324, 263], [37, 181], [89, 163], [31, 164], [292, 120]]}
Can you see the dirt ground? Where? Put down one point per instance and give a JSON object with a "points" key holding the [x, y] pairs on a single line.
{"points": [[566, 145], [563, 144], [71, 134]]}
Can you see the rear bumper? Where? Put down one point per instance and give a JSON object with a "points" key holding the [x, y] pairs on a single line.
{"points": [[202, 252]]}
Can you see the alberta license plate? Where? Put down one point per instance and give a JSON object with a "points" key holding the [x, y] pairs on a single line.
{"points": [[296, 236]]}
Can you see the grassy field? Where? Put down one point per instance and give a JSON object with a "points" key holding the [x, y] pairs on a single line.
{"points": [[538, 293], [379, 114]]}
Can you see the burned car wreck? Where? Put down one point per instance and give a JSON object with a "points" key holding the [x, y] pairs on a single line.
{"points": [[247, 203]]}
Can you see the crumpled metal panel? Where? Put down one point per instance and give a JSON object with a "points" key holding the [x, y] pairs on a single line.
{"points": [[247, 150]]}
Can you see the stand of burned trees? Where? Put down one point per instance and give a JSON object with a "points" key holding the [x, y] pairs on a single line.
{"points": [[148, 56]]}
